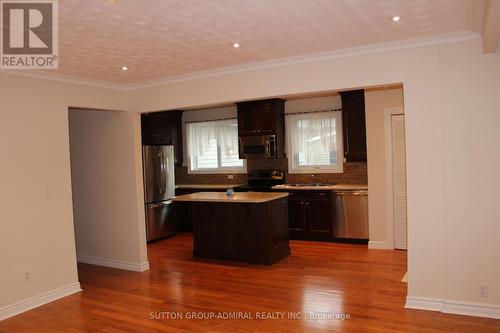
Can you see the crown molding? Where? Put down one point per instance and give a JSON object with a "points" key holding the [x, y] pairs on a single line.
{"points": [[348, 52], [44, 75]]}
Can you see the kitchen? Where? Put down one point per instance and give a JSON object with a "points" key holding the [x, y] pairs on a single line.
{"points": [[241, 148]]}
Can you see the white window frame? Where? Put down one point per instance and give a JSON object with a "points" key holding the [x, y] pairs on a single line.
{"points": [[218, 170], [339, 168]]}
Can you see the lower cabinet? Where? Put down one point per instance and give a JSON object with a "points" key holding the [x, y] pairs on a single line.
{"points": [[246, 232], [182, 218], [297, 218], [310, 215]]}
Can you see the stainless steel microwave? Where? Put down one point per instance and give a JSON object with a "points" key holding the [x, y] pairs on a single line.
{"points": [[261, 146]]}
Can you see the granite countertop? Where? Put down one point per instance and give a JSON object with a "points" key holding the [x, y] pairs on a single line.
{"points": [[240, 197], [208, 186], [345, 187]]}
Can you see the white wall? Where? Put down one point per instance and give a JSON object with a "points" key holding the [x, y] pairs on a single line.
{"points": [[313, 104], [376, 102], [36, 221], [103, 174], [471, 118], [433, 89]]}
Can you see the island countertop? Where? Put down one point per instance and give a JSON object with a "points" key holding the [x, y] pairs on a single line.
{"points": [[240, 197]]}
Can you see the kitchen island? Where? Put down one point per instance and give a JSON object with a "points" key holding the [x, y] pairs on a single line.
{"points": [[248, 227]]}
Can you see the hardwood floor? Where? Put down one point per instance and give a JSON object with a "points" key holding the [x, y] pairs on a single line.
{"points": [[316, 277]]}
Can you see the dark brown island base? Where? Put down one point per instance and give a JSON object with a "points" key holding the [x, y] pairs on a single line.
{"points": [[249, 227]]}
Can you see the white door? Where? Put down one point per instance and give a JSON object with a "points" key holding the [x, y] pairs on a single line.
{"points": [[398, 144]]}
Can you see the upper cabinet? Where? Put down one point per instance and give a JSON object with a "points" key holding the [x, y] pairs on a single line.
{"points": [[263, 117], [354, 125], [163, 128], [260, 117]]}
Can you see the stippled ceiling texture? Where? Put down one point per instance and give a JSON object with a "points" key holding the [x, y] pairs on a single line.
{"points": [[164, 38]]}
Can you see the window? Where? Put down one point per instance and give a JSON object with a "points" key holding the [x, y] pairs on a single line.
{"points": [[213, 147], [314, 142]]}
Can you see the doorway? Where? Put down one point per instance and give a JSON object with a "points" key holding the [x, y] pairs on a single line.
{"points": [[108, 213]]}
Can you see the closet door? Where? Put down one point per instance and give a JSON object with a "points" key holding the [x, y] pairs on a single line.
{"points": [[399, 181]]}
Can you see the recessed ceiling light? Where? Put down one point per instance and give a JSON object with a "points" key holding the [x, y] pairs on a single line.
{"points": [[396, 18], [124, 68], [236, 45]]}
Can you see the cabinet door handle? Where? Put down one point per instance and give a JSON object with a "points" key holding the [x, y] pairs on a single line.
{"points": [[247, 211], [321, 193]]}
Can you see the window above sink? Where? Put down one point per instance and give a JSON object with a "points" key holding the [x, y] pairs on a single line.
{"points": [[314, 141]]}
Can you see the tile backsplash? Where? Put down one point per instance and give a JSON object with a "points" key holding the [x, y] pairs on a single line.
{"points": [[354, 173], [183, 177]]}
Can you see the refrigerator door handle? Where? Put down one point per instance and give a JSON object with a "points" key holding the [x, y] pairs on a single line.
{"points": [[157, 163], [170, 172], [163, 177]]}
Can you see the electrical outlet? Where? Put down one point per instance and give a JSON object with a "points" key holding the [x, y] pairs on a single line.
{"points": [[483, 290], [230, 177], [27, 276]]}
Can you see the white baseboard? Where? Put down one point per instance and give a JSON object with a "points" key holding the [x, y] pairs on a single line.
{"points": [[472, 309], [379, 245], [120, 264], [454, 307], [33, 302], [424, 303]]}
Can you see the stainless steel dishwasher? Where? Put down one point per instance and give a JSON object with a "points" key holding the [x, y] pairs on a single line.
{"points": [[351, 214]]}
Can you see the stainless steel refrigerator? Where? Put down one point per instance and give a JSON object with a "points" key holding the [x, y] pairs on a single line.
{"points": [[159, 188]]}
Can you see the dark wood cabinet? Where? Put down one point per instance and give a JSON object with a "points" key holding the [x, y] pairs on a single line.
{"points": [[214, 226], [320, 218], [310, 215], [354, 125], [260, 117], [264, 117], [296, 218], [247, 232], [163, 128], [182, 218]]}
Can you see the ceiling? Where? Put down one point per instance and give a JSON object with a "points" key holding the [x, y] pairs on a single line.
{"points": [[164, 38]]}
